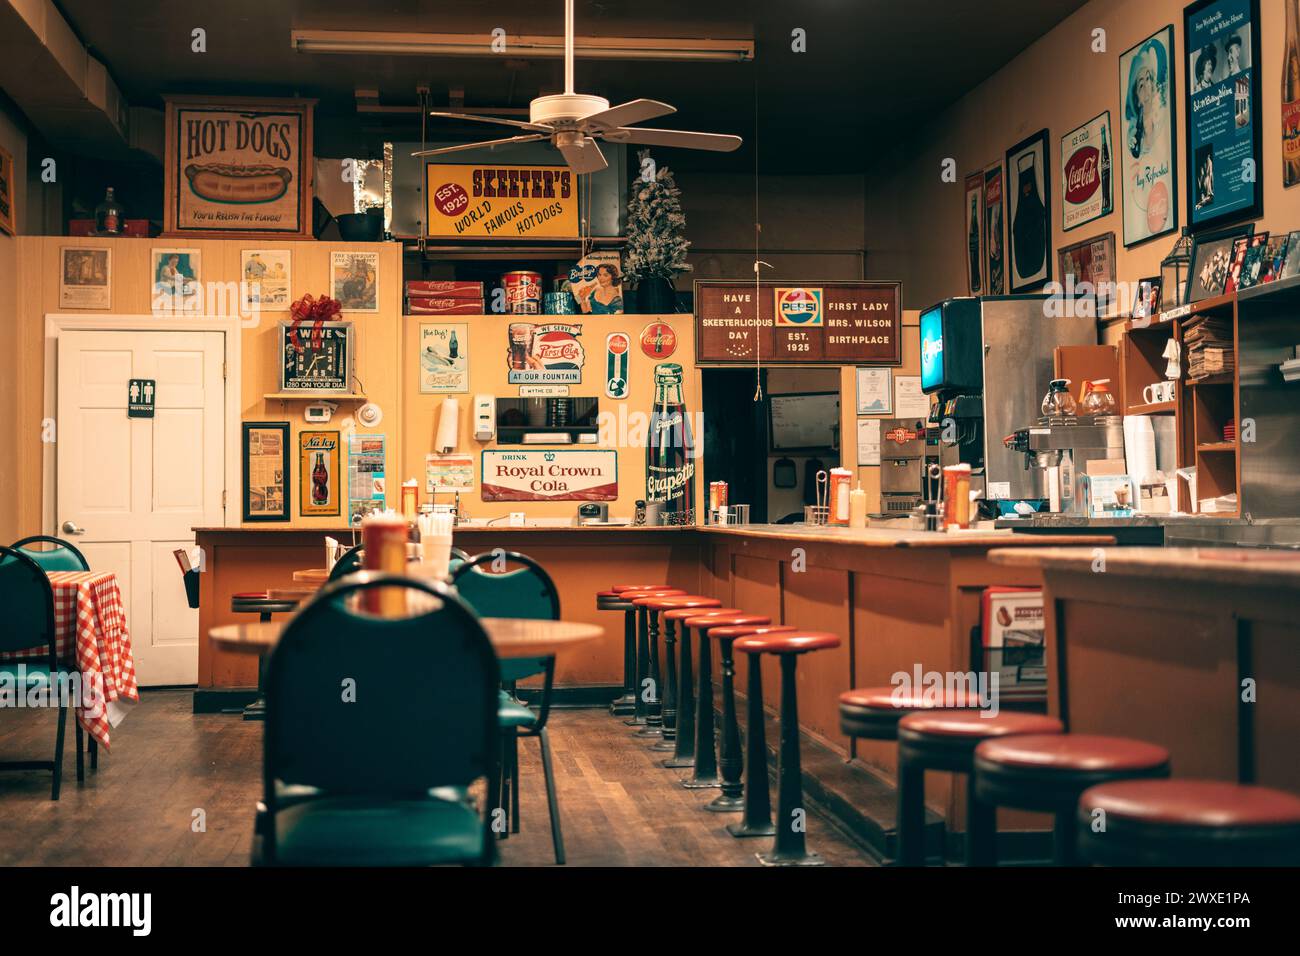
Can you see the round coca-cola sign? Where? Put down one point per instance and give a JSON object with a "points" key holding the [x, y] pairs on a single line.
{"points": [[1081, 175], [658, 340]]}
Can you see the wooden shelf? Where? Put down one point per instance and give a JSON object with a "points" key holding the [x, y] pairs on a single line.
{"points": [[1217, 446], [1225, 379], [1156, 409], [314, 396]]}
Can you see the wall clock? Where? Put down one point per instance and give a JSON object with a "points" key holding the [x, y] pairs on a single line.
{"points": [[319, 363]]}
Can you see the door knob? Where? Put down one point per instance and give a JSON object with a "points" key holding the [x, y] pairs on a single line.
{"points": [[70, 527]]}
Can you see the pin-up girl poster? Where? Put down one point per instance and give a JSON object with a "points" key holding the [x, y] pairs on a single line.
{"points": [[1148, 158]]}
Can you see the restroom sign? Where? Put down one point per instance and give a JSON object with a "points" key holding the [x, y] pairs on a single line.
{"points": [[139, 397]]}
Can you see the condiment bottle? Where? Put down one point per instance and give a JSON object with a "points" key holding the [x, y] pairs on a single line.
{"points": [[858, 507], [383, 540]]}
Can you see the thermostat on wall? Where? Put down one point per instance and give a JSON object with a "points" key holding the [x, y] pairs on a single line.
{"points": [[319, 413]]}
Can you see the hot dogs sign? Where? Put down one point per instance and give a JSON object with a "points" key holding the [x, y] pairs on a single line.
{"points": [[238, 168]]}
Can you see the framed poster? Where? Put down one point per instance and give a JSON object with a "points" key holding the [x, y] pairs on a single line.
{"points": [[994, 244], [450, 473], [1207, 274], [318, 475], [8, 193], [176, 277], [1091, 261], [1148, 147], [238, 168], [354, 280], [265, 451], [1029, 207], [85, 277], [508, 203], [265, 278], [367, 488], [1221, 50], [875, 391], [974, 207], [1085, 173], [444, 358]]}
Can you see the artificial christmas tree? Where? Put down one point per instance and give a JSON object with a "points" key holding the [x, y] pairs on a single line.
{"points": [[656, 244]]}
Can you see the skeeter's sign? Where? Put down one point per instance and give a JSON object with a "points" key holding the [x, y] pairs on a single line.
{"points": [[501, 202]]}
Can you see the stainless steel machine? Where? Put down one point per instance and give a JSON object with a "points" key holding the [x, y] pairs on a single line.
{"points": [[1056, 456], [902, 455]]}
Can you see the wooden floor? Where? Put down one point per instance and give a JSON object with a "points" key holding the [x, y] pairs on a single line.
{"points": [[171, 769]]}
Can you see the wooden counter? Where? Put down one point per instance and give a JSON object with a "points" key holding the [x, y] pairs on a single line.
{"points": [[1196, 649]]}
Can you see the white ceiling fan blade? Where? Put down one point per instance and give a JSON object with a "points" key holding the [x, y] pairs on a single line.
{"points": [[625, 114], [718, 142], [487, 144], [520, 124], [585, 157]]}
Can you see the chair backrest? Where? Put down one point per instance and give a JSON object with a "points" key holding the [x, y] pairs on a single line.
{"points": [[358, 704], [349, 562], [527, 591], [28, 618], [59, 556]]}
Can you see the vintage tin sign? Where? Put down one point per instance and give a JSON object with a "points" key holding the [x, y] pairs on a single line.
{"points": [[617, 346], [551, 475], [501, 202], [544, 354], [1085, 173]]}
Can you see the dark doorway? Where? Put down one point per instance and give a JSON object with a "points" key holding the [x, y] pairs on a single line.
{"points": [[735, 437]]}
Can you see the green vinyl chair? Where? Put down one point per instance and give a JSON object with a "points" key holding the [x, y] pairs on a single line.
{"points": [[367, 757], [28, 622], [528, 592], [59, 555]]}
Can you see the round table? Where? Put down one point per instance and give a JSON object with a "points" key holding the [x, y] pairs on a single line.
{"points": [[312, 576], [510, 636]]}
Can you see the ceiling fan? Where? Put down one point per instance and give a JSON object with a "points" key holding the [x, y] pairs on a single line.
{"points": [[572, 122]]}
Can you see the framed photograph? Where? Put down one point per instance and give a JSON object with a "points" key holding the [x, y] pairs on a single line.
{"points": [[265, 449], [444, 358], [1239, 248], [176, 277], [1211, 261], [875, 391], [1252, 268], [1029, 207], [1086, 190], [8, 193], [1089, 267], [354, 280], [994, 242], [974, 234], [238, 168], [318, 475], [85, 277], [1146, 300], [1274, 258], [265, 275], [1292, 265], [1148, 146], [321, 361], [1221, 50]]}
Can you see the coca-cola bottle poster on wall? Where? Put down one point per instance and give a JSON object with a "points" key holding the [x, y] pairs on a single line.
{"points": [[1085, 173], [1147, 148], [993, 232]]}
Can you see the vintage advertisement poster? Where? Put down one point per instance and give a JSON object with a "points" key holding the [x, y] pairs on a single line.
{"points": [[354, 280], [994, 240], [176, 277], [238, 168], [449, 473], [318, 474], [8, 192], [85, 278], [1085, 173], [367, 488], [1091, 261], [548, 354], [1148, 150], [974, 235], [266, 471], [559, 475], [1221, 47], [444, 358], [834, 323], [266, 277], [1029, 206], [501, 202]]}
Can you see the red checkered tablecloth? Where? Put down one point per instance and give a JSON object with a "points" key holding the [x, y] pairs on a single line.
{"points": [[91, 632]]}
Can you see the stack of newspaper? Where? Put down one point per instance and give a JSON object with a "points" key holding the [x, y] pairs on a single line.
{"points": [[1209, 347]]}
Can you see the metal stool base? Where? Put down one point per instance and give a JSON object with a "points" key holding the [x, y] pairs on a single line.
{"points": [[773, 859]]}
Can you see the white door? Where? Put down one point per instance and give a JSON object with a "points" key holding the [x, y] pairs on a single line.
{"points": [[131, 489]]}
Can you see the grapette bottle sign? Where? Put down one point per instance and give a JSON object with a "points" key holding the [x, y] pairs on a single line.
{"points": [[1085, 173]]}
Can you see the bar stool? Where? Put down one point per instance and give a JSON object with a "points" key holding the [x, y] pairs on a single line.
{"points": [[873, 713], [654, 605], [1049, 773], [641, 712], [1188, 823], [263, 605], [788, 848], [683, 729], [723, 628], [609, 600], [945, 740]]}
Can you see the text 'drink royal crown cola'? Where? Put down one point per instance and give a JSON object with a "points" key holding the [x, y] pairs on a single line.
{"points": [[670, 457]]}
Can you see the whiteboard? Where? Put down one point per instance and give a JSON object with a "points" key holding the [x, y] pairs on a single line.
{"points": [[809, 420]]}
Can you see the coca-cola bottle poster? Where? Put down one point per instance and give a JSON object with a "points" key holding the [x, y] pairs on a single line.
{"points": [[1086, 173], [975, 233], [318, 474], [1029, 205], [1147, 149], [994, 244]]}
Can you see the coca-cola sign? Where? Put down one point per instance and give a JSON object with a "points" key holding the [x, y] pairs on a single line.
{"points": [[1086, 182]]}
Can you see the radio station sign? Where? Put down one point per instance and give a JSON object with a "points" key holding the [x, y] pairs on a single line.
{"points": [[501, 202], [550, 475], [787, 323]]}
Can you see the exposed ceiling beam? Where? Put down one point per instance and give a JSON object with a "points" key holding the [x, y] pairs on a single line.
{"points": [[521, 46]]}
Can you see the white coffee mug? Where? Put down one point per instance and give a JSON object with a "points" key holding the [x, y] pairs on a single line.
{"points": [[1158, 392]]}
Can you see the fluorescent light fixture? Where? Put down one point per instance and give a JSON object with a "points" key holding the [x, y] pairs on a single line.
{"points": [[471, 44]]}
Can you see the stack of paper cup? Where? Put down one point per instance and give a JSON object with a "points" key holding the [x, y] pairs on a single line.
{"points": [[435, 544]]}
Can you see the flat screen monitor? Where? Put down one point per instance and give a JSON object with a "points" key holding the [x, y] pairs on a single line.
{"points": [[951, 346], [809, 420]]}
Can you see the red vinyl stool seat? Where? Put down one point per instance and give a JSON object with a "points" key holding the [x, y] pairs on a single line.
{"points": [[659, 703], [874, 712], [1188, 823], [1050, 772], [788, 848], [641, 656], [946, 740], [709, 759]]}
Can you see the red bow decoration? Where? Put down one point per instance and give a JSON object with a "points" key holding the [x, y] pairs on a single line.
{"points": [[318, 312]]}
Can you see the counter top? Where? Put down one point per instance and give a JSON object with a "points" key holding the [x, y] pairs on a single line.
{"points": [[891, 538], [339, 532], [1243, 567]]}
